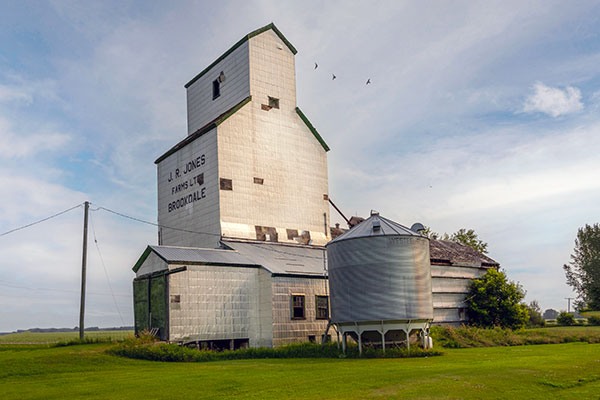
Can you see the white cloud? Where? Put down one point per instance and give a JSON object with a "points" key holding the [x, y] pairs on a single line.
{"points": [[16, 145], [12, 93], [553, 101]]}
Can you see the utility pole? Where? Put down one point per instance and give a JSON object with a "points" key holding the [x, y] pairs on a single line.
{"points": [[569, 303], [83, 265]]}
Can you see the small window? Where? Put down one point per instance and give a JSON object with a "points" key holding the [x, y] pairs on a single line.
{"points": [[175, 298], [312, 338], [298, 306], [292, 233], [226, 184], [259, 181], [325, 197], [199, 179], [216, 89], [322, 307], [273, 102]]}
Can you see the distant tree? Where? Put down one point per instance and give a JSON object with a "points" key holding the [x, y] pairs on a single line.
{"points": [[493, 300], [464, 236], [550, 314], [470, 238], [535, 314], [583, 272], [566, 319], [429, 233]]}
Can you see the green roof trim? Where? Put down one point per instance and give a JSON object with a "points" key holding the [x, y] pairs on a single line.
{"points": [[233, 111], [239, 43], [211, 125], [312, 129], [143, 258]]}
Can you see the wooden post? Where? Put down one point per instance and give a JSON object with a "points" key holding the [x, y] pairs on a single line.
{"points": [[83, 266]]}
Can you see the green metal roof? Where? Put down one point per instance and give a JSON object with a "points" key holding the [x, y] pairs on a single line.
{"points": [[239, 43]]}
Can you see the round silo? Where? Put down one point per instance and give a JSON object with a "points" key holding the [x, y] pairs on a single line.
{"points": [[380, 282]]}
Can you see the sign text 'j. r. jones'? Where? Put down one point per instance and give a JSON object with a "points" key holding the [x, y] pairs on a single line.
{"points": [[192, 179]]}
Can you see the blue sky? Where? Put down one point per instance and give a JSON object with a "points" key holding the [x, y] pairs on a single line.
{"points": [[479, 115]]}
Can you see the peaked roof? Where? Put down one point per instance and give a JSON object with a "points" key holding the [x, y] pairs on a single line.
{"points": [[386, 227], [239, 43]]}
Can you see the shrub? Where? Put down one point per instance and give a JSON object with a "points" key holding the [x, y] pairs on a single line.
{"points": [[535, 315], [565, 319], [593, 320], [87, 340], [493, 300], [154, 351], [471, 336]]}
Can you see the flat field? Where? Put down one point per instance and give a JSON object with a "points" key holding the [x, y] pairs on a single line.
{"points": [[53, 337], [567, 371]]}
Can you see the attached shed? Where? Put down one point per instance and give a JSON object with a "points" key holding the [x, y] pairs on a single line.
{"points": [[244, 294], [453, 267]]}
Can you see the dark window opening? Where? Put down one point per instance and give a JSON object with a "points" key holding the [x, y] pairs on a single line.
{"points": [[325, 197], [175, 298], [216, 88], [298, 306], [266, 233], [292, 233], [226, 184], [200, 179], [273, 102], [322, 307], [312, 338], [259, 181]]}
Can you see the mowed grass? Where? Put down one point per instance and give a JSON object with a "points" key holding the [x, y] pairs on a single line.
{"points": [[566, 371], [53, 337]]}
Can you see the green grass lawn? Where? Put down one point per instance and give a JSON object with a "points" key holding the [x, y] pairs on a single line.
{"points": [[542, 371], [53, 337]]}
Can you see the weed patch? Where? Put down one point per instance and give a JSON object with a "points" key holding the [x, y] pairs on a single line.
{"points": [[144, 350], [467, 336]]}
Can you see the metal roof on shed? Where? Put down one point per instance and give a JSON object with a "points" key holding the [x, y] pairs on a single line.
{"points": [[278, 259]]}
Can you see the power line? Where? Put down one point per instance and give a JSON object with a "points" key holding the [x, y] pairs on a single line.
{"points": [[197, 232], [40, 221], [105, 271], [13, 286], [153, 223]]}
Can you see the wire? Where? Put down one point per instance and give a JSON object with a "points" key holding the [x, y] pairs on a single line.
{"points": [[41, 220], [13, 286], [197, 232], [105, 271], [153, 223]]}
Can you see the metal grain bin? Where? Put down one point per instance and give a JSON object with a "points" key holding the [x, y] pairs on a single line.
{"points": [[379, 271]]}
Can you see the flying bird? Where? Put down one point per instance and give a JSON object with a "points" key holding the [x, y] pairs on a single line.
{"points": [[368, 81], [316, 65], [333, 77]]}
